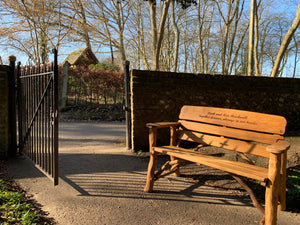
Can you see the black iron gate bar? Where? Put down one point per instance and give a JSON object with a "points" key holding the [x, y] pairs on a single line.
{"points": [[38, 116]]}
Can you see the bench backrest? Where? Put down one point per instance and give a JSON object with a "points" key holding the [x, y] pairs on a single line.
{"points": [[237, 130]]}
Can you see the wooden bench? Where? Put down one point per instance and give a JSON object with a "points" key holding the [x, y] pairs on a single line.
{"points": [[246, 133]]}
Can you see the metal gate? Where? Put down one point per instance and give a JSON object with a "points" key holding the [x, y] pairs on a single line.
{"points": [[37, 97]]}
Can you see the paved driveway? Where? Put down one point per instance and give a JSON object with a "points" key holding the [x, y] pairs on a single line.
{"points": [[102, 183]]}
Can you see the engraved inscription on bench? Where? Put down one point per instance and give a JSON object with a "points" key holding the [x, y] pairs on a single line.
{"points": [[227, 117]]}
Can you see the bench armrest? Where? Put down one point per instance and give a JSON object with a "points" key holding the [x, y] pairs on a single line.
{"points": [[163, 124], [278, 147], [153, 132]]}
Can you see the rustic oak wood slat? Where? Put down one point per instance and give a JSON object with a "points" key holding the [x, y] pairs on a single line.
{"points": [[235, 118], [163, 124], [230, 132], [236, 130], [242, 169], [226, 143]]}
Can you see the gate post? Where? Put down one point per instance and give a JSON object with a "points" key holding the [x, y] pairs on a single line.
{"points": [[20, 110], [12, 107], [55, 70], [127, 103]]}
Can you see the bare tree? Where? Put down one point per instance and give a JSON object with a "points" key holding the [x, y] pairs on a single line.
{"points": [[31, 25], [285, 43], [108, 19], [157, 30], [32, 32], [233, 14], [209, 38], [177, 33], [202, 9], [137, 38], [82, 20]]}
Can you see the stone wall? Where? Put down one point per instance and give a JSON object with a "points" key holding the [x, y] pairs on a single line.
{"points": [[4, 122], [158, 96]]}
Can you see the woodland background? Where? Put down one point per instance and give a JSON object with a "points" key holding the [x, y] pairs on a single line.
{"points": [[203, 36]]}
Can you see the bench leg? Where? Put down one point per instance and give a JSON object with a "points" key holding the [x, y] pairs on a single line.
{"points": [[282, 191], [272, 190], [151, 171], [177, 172], [174, 142]]}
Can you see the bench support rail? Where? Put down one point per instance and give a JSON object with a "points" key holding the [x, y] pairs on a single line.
{"points": [[253, 197]]}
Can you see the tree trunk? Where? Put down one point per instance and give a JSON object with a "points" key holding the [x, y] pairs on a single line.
{"points": [[207, 46], [121, 32], [250, 42], [225, 49], [152, 7], [157, 36], [177, 33], [236, 54], [185, 47], [228, 40], [111, 52], [84, 24], [296, 56], [161, 32], [200, 38], [233, 36], [225, 40], [140, 30], [256, 61], [44, 45]]}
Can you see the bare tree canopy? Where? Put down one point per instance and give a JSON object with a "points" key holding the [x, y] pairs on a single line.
{"points": [[199, 36]]}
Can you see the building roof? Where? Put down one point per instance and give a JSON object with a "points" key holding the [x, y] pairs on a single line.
{"points": [[83, 56]]}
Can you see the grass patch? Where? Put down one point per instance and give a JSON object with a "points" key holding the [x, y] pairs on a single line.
{"points": [[293, 192], [14, 209]]}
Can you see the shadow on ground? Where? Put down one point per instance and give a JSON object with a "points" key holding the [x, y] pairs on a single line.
{"points": [[124, 176]]}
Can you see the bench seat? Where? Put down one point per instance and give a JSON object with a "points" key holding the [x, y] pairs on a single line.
{"points": [[238, 168]]}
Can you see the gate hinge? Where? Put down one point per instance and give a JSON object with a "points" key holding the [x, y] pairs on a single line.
{"points": [[53, 115]]}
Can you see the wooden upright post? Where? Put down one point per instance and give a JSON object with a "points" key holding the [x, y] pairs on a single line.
{"points": [[282, 191], [273, 190]]}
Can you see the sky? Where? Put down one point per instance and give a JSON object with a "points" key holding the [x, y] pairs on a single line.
{"points": [[289, 6]]}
